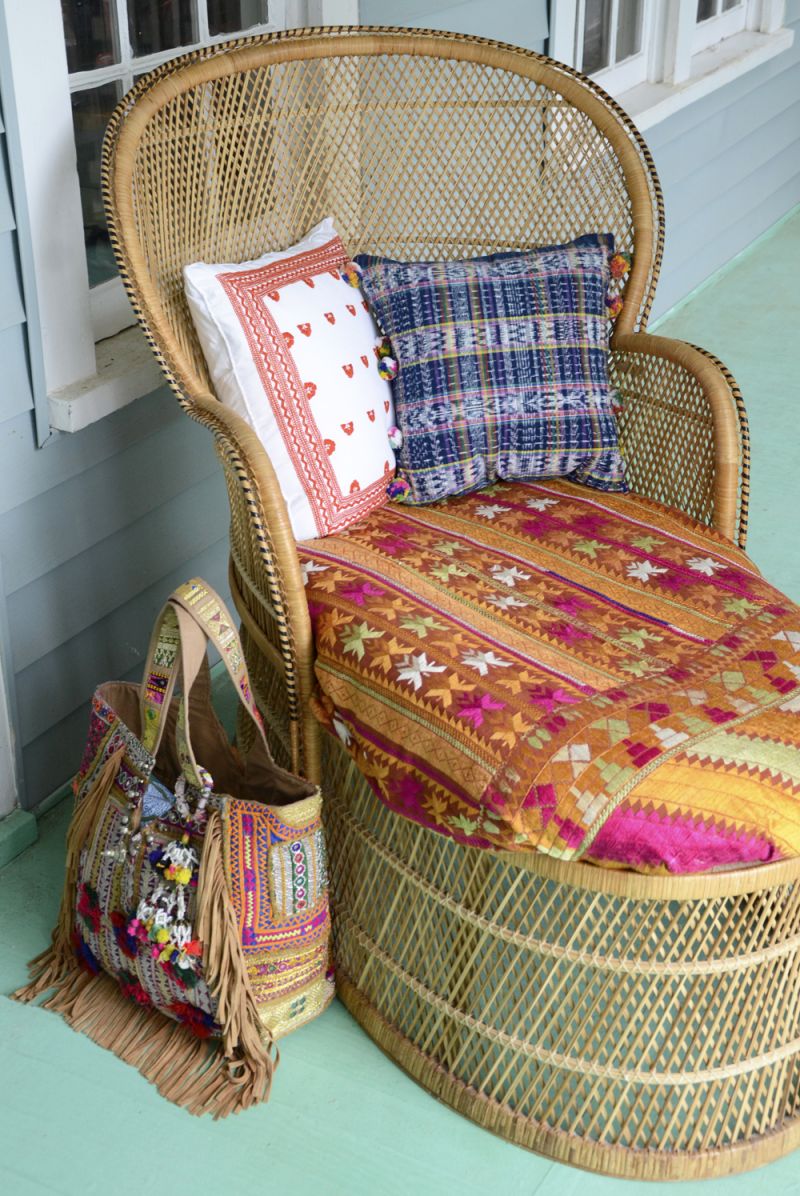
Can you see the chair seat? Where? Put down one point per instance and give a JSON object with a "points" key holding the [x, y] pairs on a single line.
{"points": [[541, 666]]}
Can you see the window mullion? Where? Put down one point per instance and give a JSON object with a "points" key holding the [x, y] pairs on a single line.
{"points": [[124, 34], [678, 40], [580, 29], [201, 8], [612, 41]]}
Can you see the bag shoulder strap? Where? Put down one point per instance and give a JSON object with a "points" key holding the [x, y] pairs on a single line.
{"points": [[175, 647], [211, 614]]}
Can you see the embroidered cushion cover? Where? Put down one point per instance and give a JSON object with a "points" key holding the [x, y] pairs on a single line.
{"points": [[542, 666], [503, 367], [290, 346]]}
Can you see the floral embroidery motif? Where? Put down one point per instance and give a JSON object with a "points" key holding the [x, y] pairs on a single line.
{"points": [[630, 641]]}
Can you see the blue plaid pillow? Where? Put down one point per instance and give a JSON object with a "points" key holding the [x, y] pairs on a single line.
{"points": [[502, 367]]}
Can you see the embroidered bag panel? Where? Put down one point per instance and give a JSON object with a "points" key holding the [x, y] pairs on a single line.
{"points": [[152, 921]]}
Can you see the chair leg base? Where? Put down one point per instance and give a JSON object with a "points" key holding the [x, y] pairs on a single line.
{"points": [[618, 1161]]}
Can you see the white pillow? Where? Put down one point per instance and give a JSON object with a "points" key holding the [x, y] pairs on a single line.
{"points": [[291, 346]]}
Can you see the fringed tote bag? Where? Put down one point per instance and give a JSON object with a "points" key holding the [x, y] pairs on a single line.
{"points": [[194, 923]]}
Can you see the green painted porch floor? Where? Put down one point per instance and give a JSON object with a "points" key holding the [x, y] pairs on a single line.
{"points": [[343, 1120]]}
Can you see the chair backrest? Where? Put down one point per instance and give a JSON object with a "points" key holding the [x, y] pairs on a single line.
{"points": [[421, 145]]}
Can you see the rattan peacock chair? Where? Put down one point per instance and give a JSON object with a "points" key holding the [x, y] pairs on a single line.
{"points": [[648, 1025]]}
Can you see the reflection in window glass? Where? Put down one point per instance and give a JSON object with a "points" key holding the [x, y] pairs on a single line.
{"points": [[90, 112], [596, 36], [89, 33], [157, 30], [706, 9], [231, 16], [156, 25], [629, 29]]}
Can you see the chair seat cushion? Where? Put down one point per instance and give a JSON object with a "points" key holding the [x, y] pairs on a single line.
{"points": [[537, 666]]}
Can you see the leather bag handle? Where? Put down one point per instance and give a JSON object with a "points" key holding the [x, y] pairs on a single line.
{"points": [[193, 614]]}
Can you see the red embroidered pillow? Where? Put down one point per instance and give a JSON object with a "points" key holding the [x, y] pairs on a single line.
{"points": [[291, 346]]}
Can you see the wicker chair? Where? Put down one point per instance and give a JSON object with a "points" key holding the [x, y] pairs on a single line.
{"points": [[640, 1026]]}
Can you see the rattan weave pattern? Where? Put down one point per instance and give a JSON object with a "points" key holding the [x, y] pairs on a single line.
{"points": [[421, 142], [628, 1034], [529, 994]]}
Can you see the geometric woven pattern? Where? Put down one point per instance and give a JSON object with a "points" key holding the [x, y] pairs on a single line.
{"points": [[502, 367], [536, 666]]}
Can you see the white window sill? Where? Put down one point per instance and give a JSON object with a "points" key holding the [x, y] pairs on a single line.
{"points": [[126, 370], [650, 103]]}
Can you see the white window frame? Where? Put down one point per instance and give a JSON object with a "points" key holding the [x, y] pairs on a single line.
{"points": [[679, 53], [716, 28], [631, 71], [86, 376]]}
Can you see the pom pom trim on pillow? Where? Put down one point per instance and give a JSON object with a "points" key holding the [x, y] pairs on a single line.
{"points": [[502, 366]]}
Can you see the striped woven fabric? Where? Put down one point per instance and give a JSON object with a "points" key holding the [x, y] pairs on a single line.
{"points": [[539, 666], [502, 367]]}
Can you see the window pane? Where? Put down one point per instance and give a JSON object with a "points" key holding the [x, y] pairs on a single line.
{"points": [[706, 9], [90, 112], [156, 25], [596, 36], [231, 16], [629, 28], [727, 5], [90, 34]]}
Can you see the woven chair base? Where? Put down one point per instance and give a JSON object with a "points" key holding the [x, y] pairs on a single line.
{"points": [[644, 1027]]}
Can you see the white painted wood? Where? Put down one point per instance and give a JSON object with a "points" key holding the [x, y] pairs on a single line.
{"points": [[563, 23], [766, 16], [126, 370], [71, 319], [41, 88], [651, 103], [657, 40], [110, 309], [678, 35], [726, 24]]}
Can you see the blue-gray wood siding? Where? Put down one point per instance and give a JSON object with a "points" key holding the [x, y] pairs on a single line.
{"points": [[521, 22], [97, 527], [729, 166]]}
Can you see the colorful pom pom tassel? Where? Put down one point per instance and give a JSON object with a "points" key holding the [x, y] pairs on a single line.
{"points": [[351, 274], [387, 368], [398, 489], [395, 437], [620, 264], [613, 306]]}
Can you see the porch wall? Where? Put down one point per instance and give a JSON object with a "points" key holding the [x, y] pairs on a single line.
{"points": [[730, 167], [96, 527]]}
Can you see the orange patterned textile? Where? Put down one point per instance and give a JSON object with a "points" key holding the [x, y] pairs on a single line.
{"points": [[538, 666]]}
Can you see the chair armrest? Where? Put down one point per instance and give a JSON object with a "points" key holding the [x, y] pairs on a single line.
{"points": [[266, 585], [683, 429]]}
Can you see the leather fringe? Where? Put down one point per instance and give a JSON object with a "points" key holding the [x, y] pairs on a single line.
{"points": [[58, 962], [200, 1075], [247, 1044]]}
